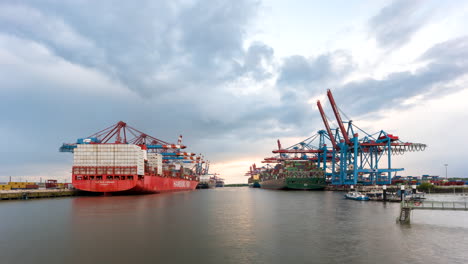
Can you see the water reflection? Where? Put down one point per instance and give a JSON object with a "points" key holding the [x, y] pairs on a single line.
{"points": [[226, 225]]}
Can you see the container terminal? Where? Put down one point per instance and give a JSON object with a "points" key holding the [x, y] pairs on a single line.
{"points": [[346, 156], [123, 160]]}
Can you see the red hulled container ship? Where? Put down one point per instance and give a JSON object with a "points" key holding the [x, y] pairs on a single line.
{"points": [[89, 179], [125, 179], [141, 165]]}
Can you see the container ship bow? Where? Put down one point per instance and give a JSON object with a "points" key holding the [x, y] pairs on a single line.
{"points": [[293, 175], [296, 168], [143, 164]]}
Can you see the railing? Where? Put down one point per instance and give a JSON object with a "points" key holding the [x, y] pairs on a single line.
{"points": [[435, 205]]}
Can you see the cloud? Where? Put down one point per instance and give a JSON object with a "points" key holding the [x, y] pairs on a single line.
{"points": [[165, 69], [301, 78], [445, 63], [299, 71], [450, 51], [70, 68], [258, 61], [151, 47], [396, 23]]}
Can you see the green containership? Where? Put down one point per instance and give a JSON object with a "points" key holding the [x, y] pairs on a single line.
{"points": [[293, 175]]}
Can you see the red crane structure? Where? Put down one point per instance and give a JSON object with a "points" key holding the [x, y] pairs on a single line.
{"points": [[118, 134], [122, 133]]}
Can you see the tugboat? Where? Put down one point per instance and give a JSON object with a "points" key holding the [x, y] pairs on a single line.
{"points": [[254, 183]]}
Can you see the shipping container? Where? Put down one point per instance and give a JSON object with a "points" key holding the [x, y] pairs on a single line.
{"points": [[5, 187], [51, 184]]}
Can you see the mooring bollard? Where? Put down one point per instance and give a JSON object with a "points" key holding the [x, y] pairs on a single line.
{"points": [[384, 188], [405, 215]]}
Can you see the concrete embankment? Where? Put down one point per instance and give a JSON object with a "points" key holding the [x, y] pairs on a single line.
{"points": [[33, 194]]}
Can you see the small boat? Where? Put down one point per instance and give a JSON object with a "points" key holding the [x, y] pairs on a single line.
{"points": [[356, 196]]}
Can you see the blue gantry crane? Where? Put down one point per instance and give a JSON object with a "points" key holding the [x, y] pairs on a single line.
{"points": [[355, 159]]}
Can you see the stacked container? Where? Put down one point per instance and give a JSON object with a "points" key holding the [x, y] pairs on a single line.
{"points": [[170, 168], [21, 185], [5, 187], [155, 162], [110, 155]]}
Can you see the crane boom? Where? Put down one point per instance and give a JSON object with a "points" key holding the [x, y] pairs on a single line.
{"points": [[338, 117], [327, 126], [298, 151]]}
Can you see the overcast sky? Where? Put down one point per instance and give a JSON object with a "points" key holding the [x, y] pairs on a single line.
{"points": [[230, 76]]}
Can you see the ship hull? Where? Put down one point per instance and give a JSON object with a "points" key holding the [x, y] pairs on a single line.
{"points": [[206, 185], [255, 184], [147, 184], [294, 184]]}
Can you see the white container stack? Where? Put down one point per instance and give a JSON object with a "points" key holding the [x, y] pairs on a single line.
{"points": [[155, 162], [85, 155], [118, 155]]}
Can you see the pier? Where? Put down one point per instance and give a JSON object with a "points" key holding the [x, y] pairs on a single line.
{"points": [[408, 205], [34, 194]]}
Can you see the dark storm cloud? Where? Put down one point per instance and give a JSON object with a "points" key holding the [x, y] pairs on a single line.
{"points": [[70, 66], [446, 62], [396, 23], [151, 47], [177, 57]]}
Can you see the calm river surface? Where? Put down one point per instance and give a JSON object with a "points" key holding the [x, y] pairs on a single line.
{"points": [[227, 225]]}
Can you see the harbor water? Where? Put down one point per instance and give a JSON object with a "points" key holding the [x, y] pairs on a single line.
{"points": [[227, 225]]}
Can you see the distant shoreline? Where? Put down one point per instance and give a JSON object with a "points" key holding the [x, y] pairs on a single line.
{"points": [[236, 185]]}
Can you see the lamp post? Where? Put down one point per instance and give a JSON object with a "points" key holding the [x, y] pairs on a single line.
{"points": [[446, 165]]}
